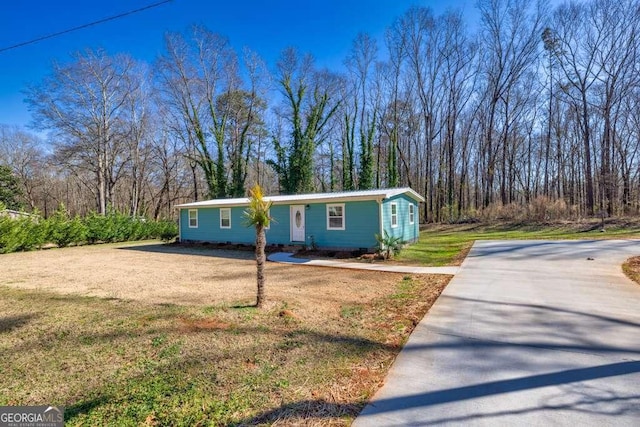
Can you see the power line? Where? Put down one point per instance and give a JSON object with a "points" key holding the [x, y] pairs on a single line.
{"points": [[90, 24]]}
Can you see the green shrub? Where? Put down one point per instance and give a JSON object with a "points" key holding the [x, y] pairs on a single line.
{"points": [[63, 230], [20, 234], [168, 231], [117, 227], [8, 237], [31, 232], [97, 227], [388, 245]]}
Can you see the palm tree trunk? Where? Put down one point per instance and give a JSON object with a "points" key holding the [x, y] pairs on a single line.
{"points": [[260, 259]]}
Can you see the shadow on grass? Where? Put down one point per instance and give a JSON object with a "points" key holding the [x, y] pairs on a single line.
{"points": [[200, 250], [593, 400], [10, 323], [241, 306], [282, 331], [306, 409], [164, 389], [84, 407]]}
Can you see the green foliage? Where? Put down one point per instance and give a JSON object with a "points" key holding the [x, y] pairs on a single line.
{"points": [[112, 227], [257, 213], [392, 161], [31, 232], [21, 234], [63, 230], [167, 230], [311, 107], [10, 192], [117, 227], [365, 177], [388, 245], [348, 157]]}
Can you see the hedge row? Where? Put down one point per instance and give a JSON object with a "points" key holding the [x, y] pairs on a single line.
{"points": [[31, 232]]}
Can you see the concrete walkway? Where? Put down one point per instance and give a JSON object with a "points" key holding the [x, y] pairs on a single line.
{"points": [[528, 333], [288, 258]]}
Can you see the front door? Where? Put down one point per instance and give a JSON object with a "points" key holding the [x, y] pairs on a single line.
{"points": [[297, 223]]}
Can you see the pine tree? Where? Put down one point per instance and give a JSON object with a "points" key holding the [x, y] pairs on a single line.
{"points": [[10, 192]]}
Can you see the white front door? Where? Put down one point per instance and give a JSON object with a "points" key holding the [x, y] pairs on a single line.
{"points": [[297, 223]]}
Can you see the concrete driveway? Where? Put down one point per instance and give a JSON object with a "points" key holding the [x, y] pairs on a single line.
{"points": [[533, 333]]}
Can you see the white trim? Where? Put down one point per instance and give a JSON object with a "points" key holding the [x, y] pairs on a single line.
{"points": [[381, 205], [393, 215], [412, 213], [343, 216], [338, 197], [180, 225], [189, 217], [225, 210]]}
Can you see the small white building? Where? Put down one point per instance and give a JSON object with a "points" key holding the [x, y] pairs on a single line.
{"points": [[16, 214]]}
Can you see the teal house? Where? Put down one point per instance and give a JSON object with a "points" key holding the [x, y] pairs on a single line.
{"points": [[343, 221]]}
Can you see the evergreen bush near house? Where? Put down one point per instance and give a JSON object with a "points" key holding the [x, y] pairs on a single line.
{"points": [[167, 230], [21, 234], [112, 227], [97, 230], [32, 232], [63, 230], [117, 227]]}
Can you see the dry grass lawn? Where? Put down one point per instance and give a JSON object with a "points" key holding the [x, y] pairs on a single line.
{"points": [[631, 268], [156, 273], [163, 335]]}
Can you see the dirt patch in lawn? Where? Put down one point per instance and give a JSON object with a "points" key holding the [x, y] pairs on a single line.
{"points": [[631, 268], [163, 335]]}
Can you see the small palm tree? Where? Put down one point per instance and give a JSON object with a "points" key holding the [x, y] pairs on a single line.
{"points": [[257, 215], [388, 245]]}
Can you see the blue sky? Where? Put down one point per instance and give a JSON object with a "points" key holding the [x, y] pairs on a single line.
{"points": [[324, 28]]}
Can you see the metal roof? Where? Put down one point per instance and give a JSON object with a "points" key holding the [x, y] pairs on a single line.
{"points": [[378, 194]]}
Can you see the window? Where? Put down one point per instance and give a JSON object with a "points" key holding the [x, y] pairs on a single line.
{"points": [[193, 218], [335, 217], [412, 214], [394, 215], [225, 217]]}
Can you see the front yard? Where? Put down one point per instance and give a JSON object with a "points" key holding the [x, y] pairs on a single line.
{"points": [[163, 335]]}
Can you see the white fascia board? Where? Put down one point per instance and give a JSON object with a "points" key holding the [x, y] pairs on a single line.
{"points": [[340, 197]]}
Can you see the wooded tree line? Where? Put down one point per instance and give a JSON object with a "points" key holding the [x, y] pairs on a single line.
{"points": [[536, 112]]}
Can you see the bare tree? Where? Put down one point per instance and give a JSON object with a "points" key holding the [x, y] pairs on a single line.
{"points": [[575, 49], [84, 105], [194, 74], [360, 63], [512, 35]]}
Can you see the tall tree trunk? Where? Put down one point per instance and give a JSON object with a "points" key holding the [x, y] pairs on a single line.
{"points": [[588, 173]]}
